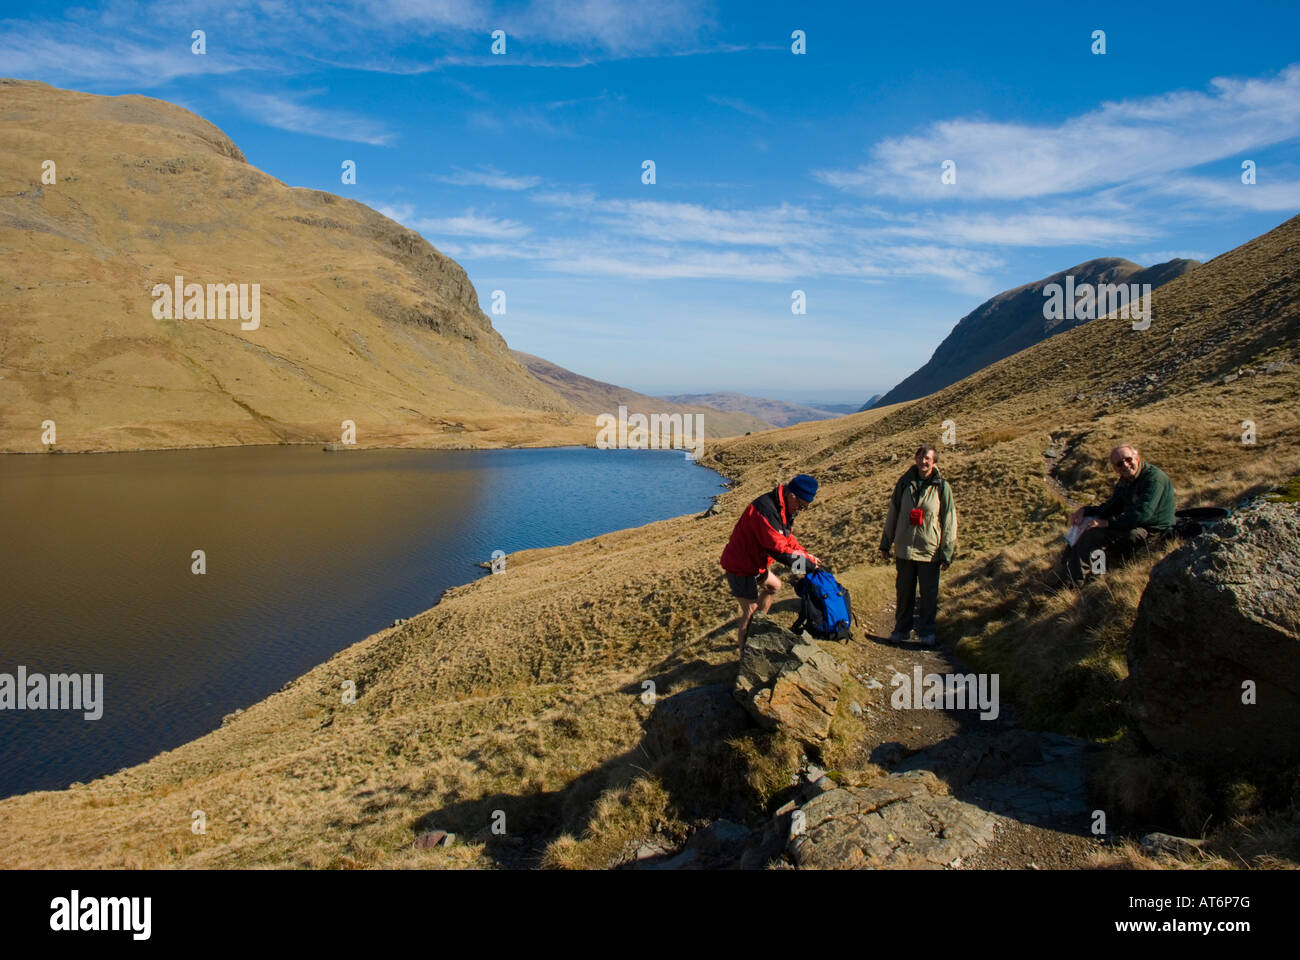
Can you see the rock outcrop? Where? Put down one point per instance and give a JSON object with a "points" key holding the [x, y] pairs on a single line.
{"points": [[1214, 657], [787, 682], [903, 821]]}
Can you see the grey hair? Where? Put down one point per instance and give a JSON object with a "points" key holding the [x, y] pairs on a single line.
{"points": [[927, 448]]}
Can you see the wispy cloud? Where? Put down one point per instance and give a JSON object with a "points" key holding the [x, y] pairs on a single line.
{"points": [[509, 121], [735, 103], [467, 224], [1267, 193], [488, 177], [1050, 228], [1119, 142], [72, 52], [655, 240], [146, 42], [601, 97], [614, 25], [470, 224], [285, 112], [782, 226]]}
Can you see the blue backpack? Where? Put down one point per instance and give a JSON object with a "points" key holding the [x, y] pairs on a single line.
{"points": [[825, 609]]}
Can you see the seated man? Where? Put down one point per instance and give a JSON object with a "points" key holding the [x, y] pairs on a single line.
{"points": [[1140, 511]]}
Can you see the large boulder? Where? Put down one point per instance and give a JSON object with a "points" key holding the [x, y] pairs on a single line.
{"points": [[787, 682], [1218, 627]]}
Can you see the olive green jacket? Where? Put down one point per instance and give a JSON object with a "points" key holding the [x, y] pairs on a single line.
{"points": [[936, 536]]}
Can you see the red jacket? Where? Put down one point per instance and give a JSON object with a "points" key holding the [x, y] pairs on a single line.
{"points": [[761, 535]]}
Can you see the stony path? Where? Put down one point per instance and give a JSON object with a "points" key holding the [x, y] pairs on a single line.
{"points": [[962, 788], [1027, 789]]}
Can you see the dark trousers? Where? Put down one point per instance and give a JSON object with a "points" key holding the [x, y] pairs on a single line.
{"points": [[1116, 545], [910, 573]]}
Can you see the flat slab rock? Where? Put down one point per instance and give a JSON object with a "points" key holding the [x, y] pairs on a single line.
{"points": [[901, 822], [1033, 777]]}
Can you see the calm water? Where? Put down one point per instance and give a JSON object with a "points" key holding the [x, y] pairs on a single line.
{"points": [[307, 552]]}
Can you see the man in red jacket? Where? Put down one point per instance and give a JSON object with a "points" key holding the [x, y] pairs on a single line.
{"points": [[763, 533]]}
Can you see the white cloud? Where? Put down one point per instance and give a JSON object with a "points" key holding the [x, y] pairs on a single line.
{"points": [[785, 225], [68, 53], [1266, 194], [285, 113], [489, 177], [470, 224], [613, 25], [1119, 142], [1058, 228], [146, 42]]}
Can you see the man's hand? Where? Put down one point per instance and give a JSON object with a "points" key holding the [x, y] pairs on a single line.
{"points": [[885, 551], [945, 565], [1092, 522]]}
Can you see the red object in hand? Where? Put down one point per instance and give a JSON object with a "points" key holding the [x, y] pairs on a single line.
{"points": [[916, 516]]}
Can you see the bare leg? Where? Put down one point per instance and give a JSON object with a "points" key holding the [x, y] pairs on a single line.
{"points": [[747, 608], [766, 594]]}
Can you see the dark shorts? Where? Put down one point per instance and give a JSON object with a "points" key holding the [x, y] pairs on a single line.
{"points": [[745, 587]]}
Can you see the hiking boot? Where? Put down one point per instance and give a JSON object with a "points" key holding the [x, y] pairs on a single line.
{"points": [[928, 640], [900, 636]]}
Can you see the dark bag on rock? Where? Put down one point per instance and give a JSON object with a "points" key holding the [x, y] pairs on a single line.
{"points": [[1194, 521]]}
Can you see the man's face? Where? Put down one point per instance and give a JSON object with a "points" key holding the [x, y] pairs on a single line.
{"points": [[924, 463], [1126, 462], [793, 503]]}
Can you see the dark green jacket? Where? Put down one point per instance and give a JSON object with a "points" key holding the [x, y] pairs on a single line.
{"points": [[1146, 501]]}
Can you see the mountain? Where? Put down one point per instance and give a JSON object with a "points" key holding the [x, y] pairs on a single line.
{"points": [[776, 412], [596, 396], [521, 693], [871, 402], [1014, 320], [357, 318]]}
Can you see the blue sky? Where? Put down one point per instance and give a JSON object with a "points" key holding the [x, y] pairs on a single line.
{"points": [[775, 172]]}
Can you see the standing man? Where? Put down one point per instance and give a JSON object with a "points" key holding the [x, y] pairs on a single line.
{"points": [[765, 532], [1139, 511], [921, 529]]}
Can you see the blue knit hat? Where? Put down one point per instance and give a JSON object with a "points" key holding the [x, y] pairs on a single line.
{"points": [[804, 487]]}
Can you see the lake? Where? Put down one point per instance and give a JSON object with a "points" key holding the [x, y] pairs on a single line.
{"points": [[306, 552]]}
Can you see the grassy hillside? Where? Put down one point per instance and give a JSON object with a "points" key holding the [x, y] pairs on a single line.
{"points": [[361, 319], [520, 692]]}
